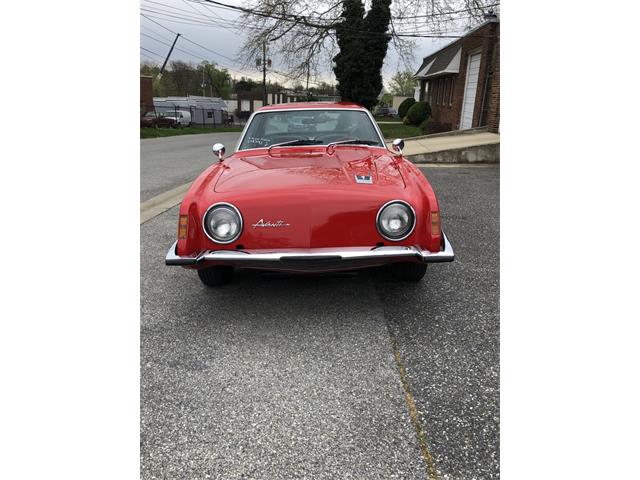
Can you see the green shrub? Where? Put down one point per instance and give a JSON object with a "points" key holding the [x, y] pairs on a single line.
{"points": [[425, 124], [418, 113], [405, 106]]}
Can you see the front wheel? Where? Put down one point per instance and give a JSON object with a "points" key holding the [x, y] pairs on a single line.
{"points": [[409, 272], [216, 276]]}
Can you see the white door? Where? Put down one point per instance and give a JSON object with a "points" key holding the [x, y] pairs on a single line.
{"points": [[470, 88]]}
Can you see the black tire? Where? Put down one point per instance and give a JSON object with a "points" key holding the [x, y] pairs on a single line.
{"points": [[216, 276], [409, 272]]}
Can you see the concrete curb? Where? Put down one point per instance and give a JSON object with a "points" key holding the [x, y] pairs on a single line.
{"points": [[161, 203], [452, 133], [487, 153]]}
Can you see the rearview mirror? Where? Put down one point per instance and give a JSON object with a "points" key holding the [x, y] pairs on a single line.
{"points": [[218, 149], [398, 145]]}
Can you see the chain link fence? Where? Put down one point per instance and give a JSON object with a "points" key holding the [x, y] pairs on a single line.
{"points": [[183, 116]]}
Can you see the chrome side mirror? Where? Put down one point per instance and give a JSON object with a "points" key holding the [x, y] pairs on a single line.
{"points": [[398, 145], [218, 149]]}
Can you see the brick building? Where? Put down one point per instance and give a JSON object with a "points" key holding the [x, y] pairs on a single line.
{"points": [[146, 93], [461, 81]]}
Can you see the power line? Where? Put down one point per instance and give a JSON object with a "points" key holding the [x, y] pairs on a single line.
{"points": [[188, 15], [209, 50], [190, 19], [438, 14], [223, 6], [310, 22], [179, 21], [218, 16], [154, 32], [150, 51], [193, 54], [188, 52], [153, 38], [191, 41], [147, 56], [414, 34], [365, 33], [227, 24]]}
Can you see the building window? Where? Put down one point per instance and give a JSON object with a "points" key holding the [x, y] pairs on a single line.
{"points": [[209, 114]]}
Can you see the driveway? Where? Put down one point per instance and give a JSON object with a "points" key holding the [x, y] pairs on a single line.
{"points": [[277, 376]]}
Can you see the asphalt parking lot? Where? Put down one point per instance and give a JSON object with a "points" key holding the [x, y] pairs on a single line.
{"points": [[298, 376]]}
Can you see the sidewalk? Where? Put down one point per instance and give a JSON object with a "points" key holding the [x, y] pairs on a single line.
{"points": [[454, 147]]}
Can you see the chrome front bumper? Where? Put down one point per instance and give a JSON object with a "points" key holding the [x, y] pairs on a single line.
{"points": [[313, 259]]}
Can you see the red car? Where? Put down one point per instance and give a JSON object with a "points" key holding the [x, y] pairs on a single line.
{"points": [[150, 119], [311, 188]]}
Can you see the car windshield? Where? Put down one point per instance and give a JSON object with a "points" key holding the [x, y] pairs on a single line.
{"points": [[310, 127]]}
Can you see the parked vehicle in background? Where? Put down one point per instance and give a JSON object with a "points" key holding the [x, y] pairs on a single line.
{"points": [[385, 112], [151, 119], [182, 118]]}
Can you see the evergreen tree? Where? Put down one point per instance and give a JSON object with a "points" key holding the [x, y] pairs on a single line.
{"points": [[363, 43]]}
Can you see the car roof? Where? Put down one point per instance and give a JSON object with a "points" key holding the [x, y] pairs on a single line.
{"points": [[310, 105]]}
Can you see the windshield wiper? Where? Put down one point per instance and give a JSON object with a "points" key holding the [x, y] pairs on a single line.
{"points": [[351, 141], [292, 143]]}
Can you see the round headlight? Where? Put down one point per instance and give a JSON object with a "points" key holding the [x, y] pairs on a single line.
{"points": [[396, 220], [222, 223]]}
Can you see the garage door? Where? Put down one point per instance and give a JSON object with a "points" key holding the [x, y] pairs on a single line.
{"points": [[470, 89]]}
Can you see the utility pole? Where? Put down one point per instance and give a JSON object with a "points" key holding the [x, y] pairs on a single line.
{"points": [[168, 55], [203, 84], [264, 72]]}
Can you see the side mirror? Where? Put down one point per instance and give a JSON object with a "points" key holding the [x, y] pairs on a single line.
{"points": [[218, 149], [398, 145]]}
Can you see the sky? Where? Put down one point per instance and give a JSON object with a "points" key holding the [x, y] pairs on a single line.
{"points": [[221, 43]]}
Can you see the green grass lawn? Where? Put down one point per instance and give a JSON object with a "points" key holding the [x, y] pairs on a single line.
{"points": [[170, 132], [388, 119], [391, 131]]}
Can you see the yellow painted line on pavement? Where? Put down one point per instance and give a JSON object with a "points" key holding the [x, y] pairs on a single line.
{"points": [[163, 202]]}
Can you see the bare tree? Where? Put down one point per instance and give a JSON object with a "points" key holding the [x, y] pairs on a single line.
{"points": [[303, 32]]}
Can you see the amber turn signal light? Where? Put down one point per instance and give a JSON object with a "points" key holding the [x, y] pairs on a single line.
{"points": [[435, 223], [183, 225]]}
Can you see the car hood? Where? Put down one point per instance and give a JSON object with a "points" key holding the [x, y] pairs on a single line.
{"points": [[347, 167]]}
